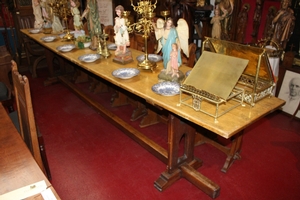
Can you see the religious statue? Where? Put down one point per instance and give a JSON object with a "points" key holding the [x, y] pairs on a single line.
{"points": [[174, 65], [267, 34], [226, 7], [257, 18], [242, 24], [216, 24], [167, 34], [45, 10], [76, 15], [121, 33], [38, 19], [54, 19], [91, 13], [283, 23]]}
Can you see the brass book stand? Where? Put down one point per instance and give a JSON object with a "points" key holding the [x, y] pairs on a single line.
{"points": [[211, 85]]}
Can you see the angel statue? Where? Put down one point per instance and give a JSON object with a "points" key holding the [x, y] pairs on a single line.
{"points": [[167, 34]]}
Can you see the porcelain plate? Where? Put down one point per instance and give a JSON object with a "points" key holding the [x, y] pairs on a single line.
{"points": [[166, 88], [152, 57], [48, 38], [66, 47], [88, 58], [125, 73]]}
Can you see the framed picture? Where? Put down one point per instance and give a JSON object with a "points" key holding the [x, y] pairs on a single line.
{"points": [[290, 92], [106, 11]]}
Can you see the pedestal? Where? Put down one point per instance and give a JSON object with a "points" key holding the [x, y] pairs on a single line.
{"points": [[123, 58]]}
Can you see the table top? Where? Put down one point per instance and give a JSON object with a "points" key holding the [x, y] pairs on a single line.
{"points": [[228, 125], [17, 165]]}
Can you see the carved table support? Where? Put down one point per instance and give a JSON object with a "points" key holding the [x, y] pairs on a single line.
{"points": [[184, 166], [139, 111], [232, 152], [49, 59], [119, 99]]}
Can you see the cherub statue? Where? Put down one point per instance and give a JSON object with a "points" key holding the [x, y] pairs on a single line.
{"points": [[216, 24], [121, 33], [174, 65]]}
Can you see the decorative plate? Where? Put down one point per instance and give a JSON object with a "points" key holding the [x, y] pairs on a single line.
{"points": [[48, 38], [166, 88], [125, 73], [88, 58], [112, 46], [188, 73], [151, 57], [34, 31], [66, 47]]}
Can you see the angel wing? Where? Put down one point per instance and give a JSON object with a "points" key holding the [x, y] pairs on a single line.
{"points": [[183, 35], [160, 23]]}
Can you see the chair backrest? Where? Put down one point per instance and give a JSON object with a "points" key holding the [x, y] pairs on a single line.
{"points": [[5, 69], [109, 30], [28, 129], [137, 41]]}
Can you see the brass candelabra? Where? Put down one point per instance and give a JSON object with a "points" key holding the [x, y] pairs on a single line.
{"points": [[105, 52], [99, 40], [165, 14], [145, 9], [61, 9]]}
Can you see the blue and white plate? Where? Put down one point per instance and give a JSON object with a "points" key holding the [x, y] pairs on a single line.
{"points": [[66, 47], [151, 57], [48, 38], [125, 73], [36, 30], [88, 58], [166, 88], [112, 46]]}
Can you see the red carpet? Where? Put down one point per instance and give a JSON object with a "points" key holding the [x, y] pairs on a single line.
{"points": [[91, 159]]}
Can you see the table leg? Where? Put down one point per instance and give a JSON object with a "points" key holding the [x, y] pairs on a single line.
{"points": [[184, 166], [150, 119], [119, 99], [49, 58], [232, 152], [139, 111]]}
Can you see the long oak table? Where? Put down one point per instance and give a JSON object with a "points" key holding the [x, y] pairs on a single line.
{"points": [[182, 120], [17, 165]]}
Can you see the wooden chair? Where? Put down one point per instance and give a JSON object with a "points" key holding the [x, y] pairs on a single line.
{"points": [[32, 49], [26, 121], [6, 88], [109, 30]]}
